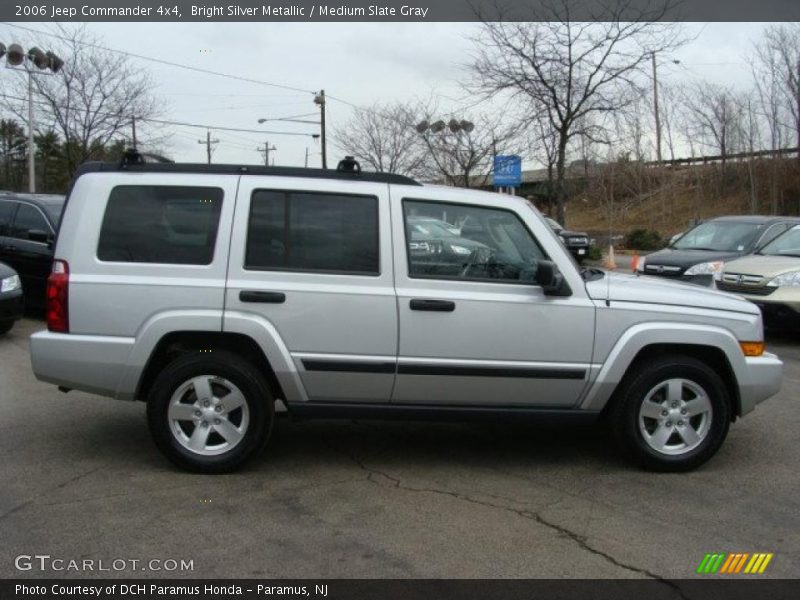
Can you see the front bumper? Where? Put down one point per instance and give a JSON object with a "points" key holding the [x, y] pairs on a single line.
{"points": [[781, 308], [763, 380], [12, 306]]}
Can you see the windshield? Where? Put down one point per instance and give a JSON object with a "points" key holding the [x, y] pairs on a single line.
{"points": [[430, 229], [787, 244], [720, 236]]}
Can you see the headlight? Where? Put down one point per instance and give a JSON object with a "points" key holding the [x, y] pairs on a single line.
{"points": [[9, 284], [792, 278], [709, 268], [460, 249], [640, 265]]}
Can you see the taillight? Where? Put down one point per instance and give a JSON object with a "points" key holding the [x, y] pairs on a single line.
{"points": [[58, 297]]}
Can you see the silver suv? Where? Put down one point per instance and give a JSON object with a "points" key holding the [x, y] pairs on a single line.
{"points": [[213, 292]]}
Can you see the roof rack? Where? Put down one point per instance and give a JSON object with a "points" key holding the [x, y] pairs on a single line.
{"points": [[136, 162]]}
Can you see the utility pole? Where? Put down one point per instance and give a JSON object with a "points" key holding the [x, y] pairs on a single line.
{"points": [[265, 151], [208, 142], [320, 100], [31, 148], [655, 109], [133, 124]]}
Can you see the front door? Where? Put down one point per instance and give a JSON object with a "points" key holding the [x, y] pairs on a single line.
{"points": [[475, 329], [312, 261]]}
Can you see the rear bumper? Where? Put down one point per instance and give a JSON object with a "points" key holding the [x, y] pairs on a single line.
{"points": [[763, 379], [89, 363], [12, 305]]}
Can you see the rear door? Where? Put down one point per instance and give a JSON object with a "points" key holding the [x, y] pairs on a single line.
{"points": [[312, 260]]}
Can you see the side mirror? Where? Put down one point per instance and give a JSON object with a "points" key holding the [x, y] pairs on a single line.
{"points": [[38, 235], [551, 280]]}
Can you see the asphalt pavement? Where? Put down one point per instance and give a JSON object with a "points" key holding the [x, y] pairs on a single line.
{"points": [[82, 481]]}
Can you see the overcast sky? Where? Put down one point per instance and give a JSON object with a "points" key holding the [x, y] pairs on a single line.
{"points": [[360, 63]]}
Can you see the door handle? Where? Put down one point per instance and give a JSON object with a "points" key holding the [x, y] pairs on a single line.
{"points": [[432, 305], [263, 297]]}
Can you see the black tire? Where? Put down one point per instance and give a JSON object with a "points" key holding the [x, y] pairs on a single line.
{"points": [[221, 366], [633, 392], [5, 326]]}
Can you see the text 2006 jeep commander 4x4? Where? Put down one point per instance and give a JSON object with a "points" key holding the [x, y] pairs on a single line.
{"points": [[209, 292]]}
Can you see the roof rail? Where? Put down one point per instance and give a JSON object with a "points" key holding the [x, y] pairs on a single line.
{"points": [[348, 169]]}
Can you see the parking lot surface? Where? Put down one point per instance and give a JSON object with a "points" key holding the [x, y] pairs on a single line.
{"points": [[82, 480]]}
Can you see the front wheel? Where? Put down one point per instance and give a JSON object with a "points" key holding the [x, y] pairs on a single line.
{"points": [[673, 415], [210, 413]]}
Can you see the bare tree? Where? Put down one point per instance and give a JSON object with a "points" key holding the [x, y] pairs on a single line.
{"points": [[714, 114], [777, 55], [93, 99], [384, 137], [570, 70]]}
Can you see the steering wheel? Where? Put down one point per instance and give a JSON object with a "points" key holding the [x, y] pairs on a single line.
{"points": [[479, 256]]}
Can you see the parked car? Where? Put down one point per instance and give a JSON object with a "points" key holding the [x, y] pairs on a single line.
{"points": [[700, 253], [11, 299], [210, 291], [576, 242], [28, 225], [770, 279]]}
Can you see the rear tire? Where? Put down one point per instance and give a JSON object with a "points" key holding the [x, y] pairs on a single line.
{"points": [[210, 413], [672, 415], [5, 326]]}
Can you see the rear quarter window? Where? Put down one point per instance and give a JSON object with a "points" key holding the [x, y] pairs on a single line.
{"points": [[160, 224]]}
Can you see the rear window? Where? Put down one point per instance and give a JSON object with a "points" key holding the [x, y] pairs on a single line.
{"points": [[160, 224], [313, 231]]}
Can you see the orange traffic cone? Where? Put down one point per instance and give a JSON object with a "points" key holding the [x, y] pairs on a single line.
{"points": [[635, 262], [610, 263]]}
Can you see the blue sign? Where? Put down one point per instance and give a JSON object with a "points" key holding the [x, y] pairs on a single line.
{"points": [[507, 171]]}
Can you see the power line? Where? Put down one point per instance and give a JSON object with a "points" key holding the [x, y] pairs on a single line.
{"points": [[176, 123], [161, 61]]}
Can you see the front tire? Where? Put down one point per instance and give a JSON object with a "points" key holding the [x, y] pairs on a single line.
{"points": [[210, 413], [673, 415], [5, 326]]}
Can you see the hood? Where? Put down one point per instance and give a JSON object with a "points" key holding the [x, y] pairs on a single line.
{"points": [[6, 271], [763, 265], [631, 288], [687, 258]]}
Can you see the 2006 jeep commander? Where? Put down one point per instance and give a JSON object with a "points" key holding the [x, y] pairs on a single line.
{"points": [[210, 292]]}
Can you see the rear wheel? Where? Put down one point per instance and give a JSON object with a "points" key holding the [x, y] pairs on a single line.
{"points": [[210, 413], [5, 326], [673, 415]]}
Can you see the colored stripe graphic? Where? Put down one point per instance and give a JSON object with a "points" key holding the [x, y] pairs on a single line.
{"points": [[733, 563]]}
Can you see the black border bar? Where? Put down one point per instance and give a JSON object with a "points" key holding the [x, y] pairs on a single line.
{"points": [[393, 10]]}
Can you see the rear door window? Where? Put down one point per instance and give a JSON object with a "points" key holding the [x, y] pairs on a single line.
{"points": [[160, 224]]}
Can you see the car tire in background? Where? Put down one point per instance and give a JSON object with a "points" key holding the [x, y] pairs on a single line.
{"points": [[672, 414], [5, 326], [210, 413]]}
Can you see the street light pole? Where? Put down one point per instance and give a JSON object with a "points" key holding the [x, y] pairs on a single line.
{"points": [[320, 99], [31, 149]]}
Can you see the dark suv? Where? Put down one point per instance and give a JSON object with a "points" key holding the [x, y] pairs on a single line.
{"points": [[577, 242], [28, 225]]}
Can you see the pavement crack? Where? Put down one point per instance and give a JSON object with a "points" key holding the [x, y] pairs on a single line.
{"points": [[382, 478]]}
